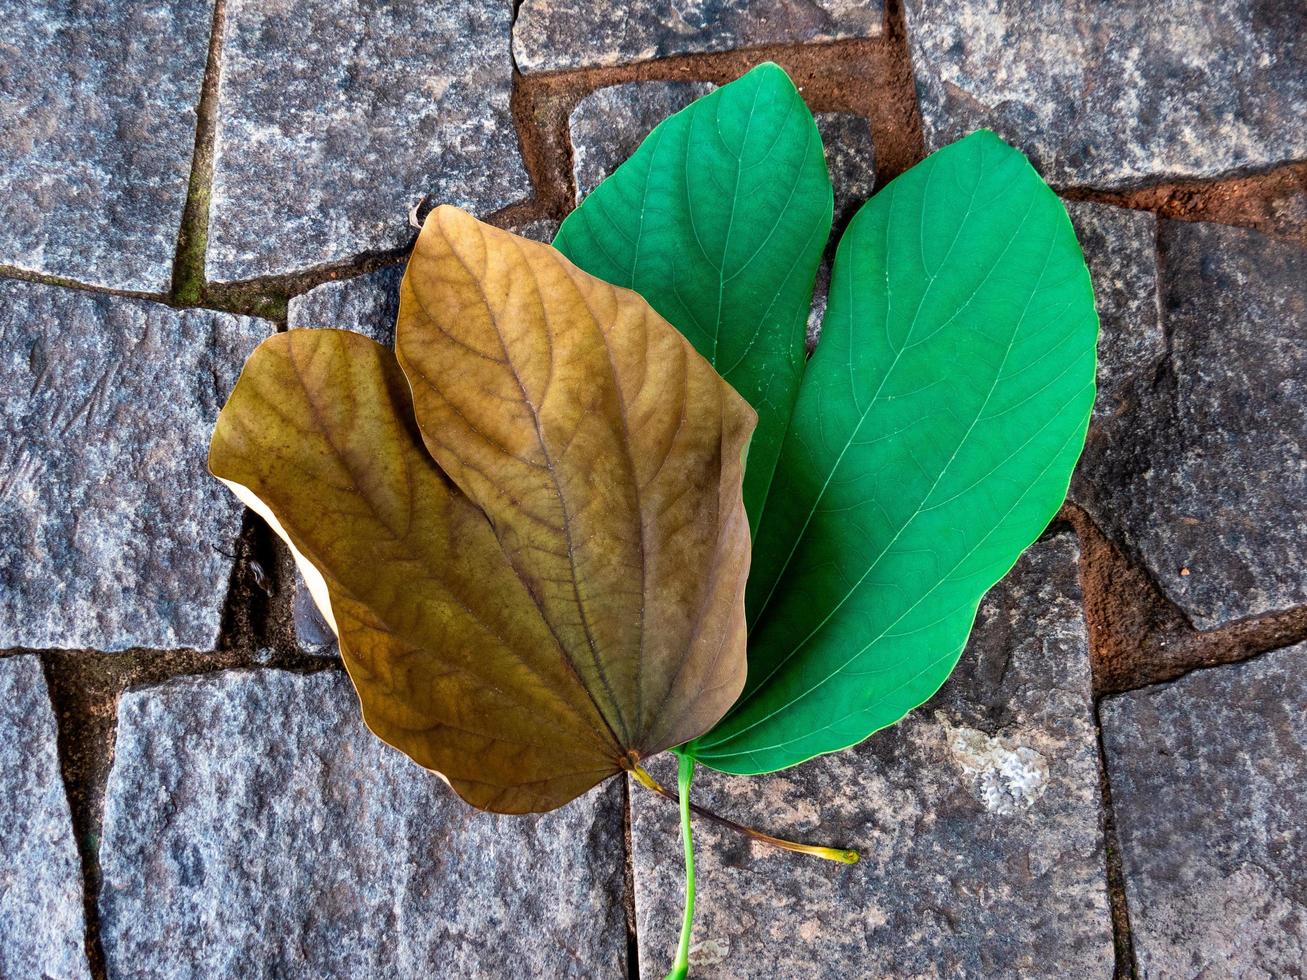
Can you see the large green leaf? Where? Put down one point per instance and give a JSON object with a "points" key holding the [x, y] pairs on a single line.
{"points": [[933, 440], [719, 220]]}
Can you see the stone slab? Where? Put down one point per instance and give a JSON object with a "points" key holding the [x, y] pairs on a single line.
{"points": [[337, 116], [42, 930], [254, 828], [112, 533], [554, 35], [97, 132], [1209, 788], [1205, 483], [851, 158], [367, 304], [977, 818], [1110, 94], [1120, 247], [610, 123]]}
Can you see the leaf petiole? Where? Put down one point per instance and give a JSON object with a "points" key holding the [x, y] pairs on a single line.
{"points": [[838, 854], [685, 773]]}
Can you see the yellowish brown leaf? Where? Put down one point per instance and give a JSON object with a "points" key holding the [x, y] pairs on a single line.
{"points": [[531, 539]]}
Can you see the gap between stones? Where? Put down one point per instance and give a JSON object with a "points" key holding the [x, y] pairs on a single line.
{"points": [[1269, 201], [1126, 966], [1138, 637], [628, 885], [188, 285]]}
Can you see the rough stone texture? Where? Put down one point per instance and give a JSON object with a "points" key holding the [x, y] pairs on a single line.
{"points": [[254, 828], [552, 35], [97, 131], [337, 116], [1209, 787], [536, 229], [1120, 249], [977, 819], [1205, 480], [41, 928], [609, 124], [852, 161], [112, 532], [1106, 94], [820, 295], [366, 304]]}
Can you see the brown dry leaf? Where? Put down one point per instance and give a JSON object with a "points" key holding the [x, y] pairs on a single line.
{"points": [[560, 591]]}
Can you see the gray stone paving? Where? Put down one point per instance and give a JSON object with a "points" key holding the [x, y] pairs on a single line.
{"points": [[255, 828], [1205, 480], [112, 533], [609, 124], [366, 304], [1209, 786], [1109, 94], [1120, 249], [551, 35], [97, 129], [335, 118], [977, 817], [41, 928]]}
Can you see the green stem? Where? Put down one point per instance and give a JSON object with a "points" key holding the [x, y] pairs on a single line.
{"points": [[681, 968]]}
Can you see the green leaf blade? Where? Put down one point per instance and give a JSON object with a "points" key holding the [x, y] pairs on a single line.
{"points": [[719, 220], [932, 442]]}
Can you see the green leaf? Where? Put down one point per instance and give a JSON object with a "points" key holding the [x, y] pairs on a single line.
{"points": [[932, 442], [719, 220], [527, 530]]}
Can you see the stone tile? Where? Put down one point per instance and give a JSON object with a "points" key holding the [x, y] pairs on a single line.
{"points": [[536, 229], [1209, 788], [977, 818], [337, 116], [97, 131], [112, 532], [553, 35], [42, 932], [254, 828], [1206, 481], [609, 124], [851, 157], [820, 296], [1120, 249], [366, 304], [1108, 94]]}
